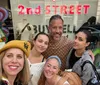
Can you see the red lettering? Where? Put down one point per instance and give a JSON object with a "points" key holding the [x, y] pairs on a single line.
{"points": [[55, 8], [21, 7], [29, 11], [78, 9], [37, 10], [47, 9], [71, 11], [63, 9], [86, 7]]}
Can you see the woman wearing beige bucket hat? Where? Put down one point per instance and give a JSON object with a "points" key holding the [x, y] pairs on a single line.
{"points": [[14, 68]]}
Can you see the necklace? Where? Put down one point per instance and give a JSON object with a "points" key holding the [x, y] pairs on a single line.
{"points": [[76, 54]]}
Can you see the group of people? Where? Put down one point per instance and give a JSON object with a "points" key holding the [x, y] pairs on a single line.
{"points": [[42, 64]]}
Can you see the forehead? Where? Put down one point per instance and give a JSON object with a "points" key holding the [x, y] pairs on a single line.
{"points": [[41, 36], [11, 50], [56, 21], [81, 34], [53, 62]]}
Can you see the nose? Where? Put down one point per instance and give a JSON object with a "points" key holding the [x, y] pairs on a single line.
{"points": [[43, 44], [14, 59], [57, 30], [75, 40], [50, 69]]}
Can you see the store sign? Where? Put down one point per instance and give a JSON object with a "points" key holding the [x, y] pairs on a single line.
{"points": [[63, 9], [67, 28]]}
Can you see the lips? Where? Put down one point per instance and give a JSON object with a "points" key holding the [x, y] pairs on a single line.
{"points": [[75, 44], [41, 49], [48, 74], [57, 35], [12, 67]]}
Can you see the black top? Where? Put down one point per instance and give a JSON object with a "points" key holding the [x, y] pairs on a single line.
{"points": [[43, 59], [73, 59], [5, 83]]}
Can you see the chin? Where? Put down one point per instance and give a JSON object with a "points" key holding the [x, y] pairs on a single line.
{"points": [[49, 77], [75, 47], [41, 51], [13, 74], [56, 39]]}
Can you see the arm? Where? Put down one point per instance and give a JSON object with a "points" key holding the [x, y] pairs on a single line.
{"points": [[87, 73]]}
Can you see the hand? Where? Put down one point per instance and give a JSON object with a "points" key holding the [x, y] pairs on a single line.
{"points": [[91, 54]]}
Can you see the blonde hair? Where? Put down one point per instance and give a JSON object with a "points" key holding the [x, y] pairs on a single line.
{"points": [[1, 69], [23, 76]]}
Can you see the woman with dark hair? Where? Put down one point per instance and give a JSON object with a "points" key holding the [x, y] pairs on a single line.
{"points": [[36, 59], [79, 54]]}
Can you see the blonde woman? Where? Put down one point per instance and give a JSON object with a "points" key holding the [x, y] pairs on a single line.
{"points": [[14, 68]]}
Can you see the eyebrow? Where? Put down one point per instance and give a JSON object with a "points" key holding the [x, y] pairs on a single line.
{"points": [[51, 65]]}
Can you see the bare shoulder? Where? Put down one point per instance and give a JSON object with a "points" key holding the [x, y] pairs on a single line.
{"points": [[63, 81]]}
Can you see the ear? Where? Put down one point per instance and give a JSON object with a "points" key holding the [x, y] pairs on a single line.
{"points": [[87, 44], [33, 41]]}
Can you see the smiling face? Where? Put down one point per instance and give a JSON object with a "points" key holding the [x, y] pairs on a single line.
{"points": [[56, 29], [80, 42], [41, 43], [51, 68], [13, 61]]}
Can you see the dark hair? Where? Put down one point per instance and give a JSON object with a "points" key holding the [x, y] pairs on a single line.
{"points": [[40, 33], [54, 17], [92, 20], [88, 34]]}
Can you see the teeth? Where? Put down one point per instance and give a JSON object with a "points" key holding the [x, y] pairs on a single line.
{"points": [[13, 67], [49, 74]]}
